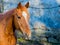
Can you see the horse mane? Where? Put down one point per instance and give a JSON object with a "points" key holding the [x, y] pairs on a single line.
{"points": [[6, 14]]}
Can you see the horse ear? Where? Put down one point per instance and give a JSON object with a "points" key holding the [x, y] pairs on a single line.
{"points": [[27, 5], [19, 5]]}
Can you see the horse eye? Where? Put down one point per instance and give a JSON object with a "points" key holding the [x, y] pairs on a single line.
{"points": [[19, 17]]}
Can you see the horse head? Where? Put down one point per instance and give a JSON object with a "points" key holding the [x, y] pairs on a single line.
{"points": [[21, 20]]}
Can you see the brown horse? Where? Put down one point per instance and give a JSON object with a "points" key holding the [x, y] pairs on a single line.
{"points": [[14, 19]]}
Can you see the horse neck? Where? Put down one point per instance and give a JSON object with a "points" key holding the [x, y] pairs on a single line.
{"points": [[6, 15], [10, 12]]}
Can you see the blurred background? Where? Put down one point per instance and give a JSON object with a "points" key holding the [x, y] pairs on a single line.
{"points": [[44, 21]]}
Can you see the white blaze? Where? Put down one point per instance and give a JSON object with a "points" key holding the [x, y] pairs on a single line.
{"points": [[24, 15]]}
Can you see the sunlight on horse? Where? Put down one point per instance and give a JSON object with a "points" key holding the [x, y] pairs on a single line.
{"points": [[10, 21]]}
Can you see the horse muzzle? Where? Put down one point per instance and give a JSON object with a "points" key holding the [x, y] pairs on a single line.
{"points": [[27, 37]]}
